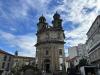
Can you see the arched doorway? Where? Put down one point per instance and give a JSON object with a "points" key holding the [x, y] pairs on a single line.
{"points": [[47, 65]]}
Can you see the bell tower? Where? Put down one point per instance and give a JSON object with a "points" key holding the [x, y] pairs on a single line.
{"points": [[42, 23], [57, 22], [50, 44]]}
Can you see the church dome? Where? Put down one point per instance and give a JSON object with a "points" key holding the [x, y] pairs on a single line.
{"points": [[42, 19], [56, 16]]}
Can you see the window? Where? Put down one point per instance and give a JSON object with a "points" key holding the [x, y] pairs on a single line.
{"points": [[1, 58], [76, 60], [60, 51], [97, 22], [5, 57], [47, 52], [9, 58], [3, 64], [7, 68]]}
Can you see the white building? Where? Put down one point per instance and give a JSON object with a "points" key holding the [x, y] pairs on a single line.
{"points": [[82, 51], [73, 55], [76, 53], [72, 51], [67, 64], [93, 42]]}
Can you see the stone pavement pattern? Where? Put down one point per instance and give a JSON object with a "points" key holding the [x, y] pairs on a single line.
{"points": [[29, 72]]}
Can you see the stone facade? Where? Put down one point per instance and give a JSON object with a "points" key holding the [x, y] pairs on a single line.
{"points": [[93, 42], [50, 44]]}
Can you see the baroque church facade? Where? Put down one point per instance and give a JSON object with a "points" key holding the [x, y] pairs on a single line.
{"points": [[50, 55]]}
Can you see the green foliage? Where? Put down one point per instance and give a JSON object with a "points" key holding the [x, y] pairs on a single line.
{"points": [[16, 70], [83, 62], [25, 67]]}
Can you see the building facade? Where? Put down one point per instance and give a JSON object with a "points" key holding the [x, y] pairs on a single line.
{"points": [[67, 64], [6, 62], [73, 52], [22, 60], [93, 42], [9, 61], [82, 51], [50, 44], [73, 55], [76, 53]]}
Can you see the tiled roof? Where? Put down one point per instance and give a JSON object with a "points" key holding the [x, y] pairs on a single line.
{"points": [[4, 52]]}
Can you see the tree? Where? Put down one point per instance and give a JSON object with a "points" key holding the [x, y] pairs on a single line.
{"points": [[83, 62], [15, 70]]}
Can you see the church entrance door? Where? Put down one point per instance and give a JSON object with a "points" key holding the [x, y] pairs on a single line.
{"points": [[47, 67]]}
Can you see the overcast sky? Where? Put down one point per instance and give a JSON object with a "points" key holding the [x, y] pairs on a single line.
{"points": [[18, 22]]}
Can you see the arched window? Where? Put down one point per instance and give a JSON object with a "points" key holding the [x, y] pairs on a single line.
{"points": [[60, 51], [47, 36]]}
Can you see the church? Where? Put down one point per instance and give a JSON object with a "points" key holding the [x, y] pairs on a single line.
{"points": [[50, 55]]}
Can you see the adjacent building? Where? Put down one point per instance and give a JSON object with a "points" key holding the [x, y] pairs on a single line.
{"points": [[73, 55], [67, 62], [73, 52], [22, 60], [76, 53], [50, 44], [93, 42], [6, 62]]}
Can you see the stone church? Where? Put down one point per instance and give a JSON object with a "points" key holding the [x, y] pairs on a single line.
{"points": [[50, 55]]}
